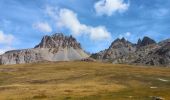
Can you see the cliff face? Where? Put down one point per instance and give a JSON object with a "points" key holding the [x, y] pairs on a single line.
{"points": [[51, 48], [57, 41]]}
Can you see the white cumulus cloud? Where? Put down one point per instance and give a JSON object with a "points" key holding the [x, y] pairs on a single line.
{"points": [[66, 18], [6, 38], [42, 26], [6, 41], [109, 7]]}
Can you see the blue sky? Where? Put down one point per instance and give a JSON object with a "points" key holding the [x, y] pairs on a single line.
{"points": [[94, 23]]}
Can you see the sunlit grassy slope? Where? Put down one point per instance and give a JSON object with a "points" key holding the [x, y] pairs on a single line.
{"points": [[83, 81]]}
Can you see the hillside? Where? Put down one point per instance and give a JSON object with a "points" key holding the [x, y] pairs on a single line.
{"points": [[83, 81]]}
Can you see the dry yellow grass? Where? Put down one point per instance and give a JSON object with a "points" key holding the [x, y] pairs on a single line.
{"points": [[52, 90], [82, 81]]}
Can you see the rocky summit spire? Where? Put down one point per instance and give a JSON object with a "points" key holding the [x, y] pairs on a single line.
{"points": [[139, 41], [58, 40], [147, 41], [121, 43], [118, 48]]}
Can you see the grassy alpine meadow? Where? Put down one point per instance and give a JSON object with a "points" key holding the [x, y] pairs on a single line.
{"points": [[83, 81]]}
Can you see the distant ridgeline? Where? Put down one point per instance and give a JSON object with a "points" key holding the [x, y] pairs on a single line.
{"points": [[145, 52], [66, 48]]}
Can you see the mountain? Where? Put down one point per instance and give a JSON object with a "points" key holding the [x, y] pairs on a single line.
{"points": [[58, 47], [118, 48], [145, 52], [51, 48], [146, 41], [158, 55], [58, 41]]}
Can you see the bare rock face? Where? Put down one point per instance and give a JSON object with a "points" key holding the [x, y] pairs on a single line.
{"points": [[58, 40], [158, 55], [51, 48], [118, 48], [145, 52], [20, 56], [146, 41]]}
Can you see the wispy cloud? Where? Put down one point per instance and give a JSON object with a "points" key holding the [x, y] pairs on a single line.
{"points": [[109, 7], [42, 26], [160, 12], [125, 35], [155, 13]]}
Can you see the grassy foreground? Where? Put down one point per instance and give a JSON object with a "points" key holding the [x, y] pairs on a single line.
{"points": [[83, 81]]}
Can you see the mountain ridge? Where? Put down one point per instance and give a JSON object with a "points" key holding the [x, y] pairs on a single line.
{"points": [[144, 52], [56, 47]]}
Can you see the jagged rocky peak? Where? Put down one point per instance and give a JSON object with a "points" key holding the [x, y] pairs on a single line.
{"points": [[139, 41], [145, 52], [121, 43], [146, 41], [119, 40], [58, 40], [118, 48]]}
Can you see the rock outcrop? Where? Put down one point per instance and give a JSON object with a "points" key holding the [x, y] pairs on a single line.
{"points": [[158, 55], [146, 41], [51, 48], [58, 40], [118, 48]]}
